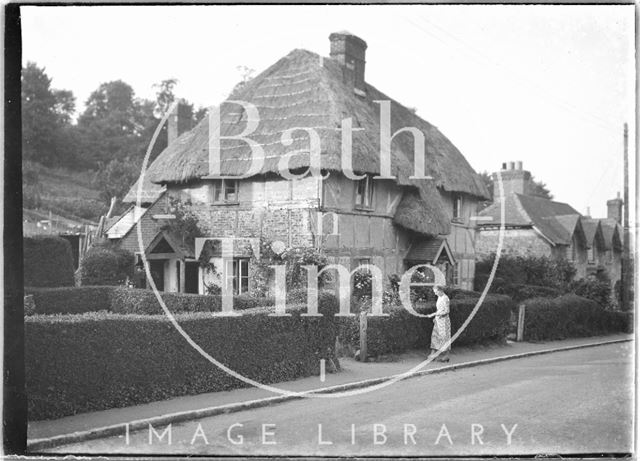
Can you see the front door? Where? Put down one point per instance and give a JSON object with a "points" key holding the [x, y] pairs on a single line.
{"points": [[156, 266], [191, 277]]}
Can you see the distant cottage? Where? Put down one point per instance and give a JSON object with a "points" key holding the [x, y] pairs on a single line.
{"points": [[536, 226], [392, 224]]}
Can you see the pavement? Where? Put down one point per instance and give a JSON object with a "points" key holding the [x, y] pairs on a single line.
{"points": [[352, 372], [575, 401]]}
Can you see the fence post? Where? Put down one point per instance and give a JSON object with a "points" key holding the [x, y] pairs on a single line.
{"points": [[520, 332], [363, 335]]}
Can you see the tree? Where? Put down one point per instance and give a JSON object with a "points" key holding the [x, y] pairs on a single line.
{"points": [[115, 178], [246, 75], [114, 125], [46, 113], [538, 188]]}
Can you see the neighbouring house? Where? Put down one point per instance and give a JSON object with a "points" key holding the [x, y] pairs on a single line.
{"points": [[391, 223], [535, 226]]}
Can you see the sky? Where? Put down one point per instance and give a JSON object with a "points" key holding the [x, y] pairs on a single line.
{"points": [[550, 86]]}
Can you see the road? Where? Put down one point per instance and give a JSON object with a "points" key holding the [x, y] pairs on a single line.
{"points": [[568, 402]]}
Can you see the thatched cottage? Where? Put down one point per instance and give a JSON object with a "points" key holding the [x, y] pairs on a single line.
{"points": [[392, 223], [536, 226]]}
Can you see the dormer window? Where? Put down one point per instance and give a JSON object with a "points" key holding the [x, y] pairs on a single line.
{"points": [[457, 207], [364, 193], [225, 191]]}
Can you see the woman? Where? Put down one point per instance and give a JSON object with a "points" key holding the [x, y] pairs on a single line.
{"points": [[441, 325]]}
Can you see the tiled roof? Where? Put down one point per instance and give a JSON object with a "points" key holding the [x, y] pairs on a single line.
{"points": [[611, 231], [590, 227], [552, 219], [125, 223], [429, 250]]}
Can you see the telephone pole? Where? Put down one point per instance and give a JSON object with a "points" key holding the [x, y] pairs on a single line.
{"points": [[626, 278]]}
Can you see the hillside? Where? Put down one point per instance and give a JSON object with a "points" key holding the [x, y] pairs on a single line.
{"points": [[72, 194]]}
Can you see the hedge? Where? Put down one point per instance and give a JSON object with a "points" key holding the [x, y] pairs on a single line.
{"points": [[106, 266], [48, 261], [402, 331], [569, 316], [97, 361], [520, 292], [70, 300], [123, 300]]}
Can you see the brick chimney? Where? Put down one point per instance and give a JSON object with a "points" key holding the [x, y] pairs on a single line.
{"points": [[179, 122], [614, 209], [515, 180], [350, 51]]}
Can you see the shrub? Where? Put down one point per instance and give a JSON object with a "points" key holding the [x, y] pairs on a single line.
{"points": [[106, 266], [596, 290], [619, 321], [566, 317], [402, 331], [70, 300], [520, 292], [524, 270], [48, 261], [90, 362]]}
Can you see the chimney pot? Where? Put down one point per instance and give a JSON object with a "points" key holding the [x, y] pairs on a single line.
{"points": [[504, 166], [511, 165], [519, 165], [350, 51]]}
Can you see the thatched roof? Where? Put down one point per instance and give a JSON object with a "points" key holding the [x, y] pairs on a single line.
{"points": [[305, 90]]}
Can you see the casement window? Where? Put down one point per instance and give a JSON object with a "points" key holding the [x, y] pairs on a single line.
{"points": [[457, 207], [364, 193], [591, 255], [237, 274], [225, 191]]}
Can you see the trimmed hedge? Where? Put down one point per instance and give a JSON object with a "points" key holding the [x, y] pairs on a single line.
{"points": [[568, 316], [123, 300], [106, 266], [48, 261], [402, 331], [90, 362], [70, 300], [520, 292]]}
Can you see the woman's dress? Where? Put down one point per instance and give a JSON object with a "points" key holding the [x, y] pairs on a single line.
{"points": [[441, 324]]}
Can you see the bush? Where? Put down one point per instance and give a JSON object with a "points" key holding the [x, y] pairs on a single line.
{"points": [[567, 316], [91, 362], [596, 290], [48, 261], [619, 321], [402, 331], [106, 266], [70, 300], [524, 270], [520, 292]]}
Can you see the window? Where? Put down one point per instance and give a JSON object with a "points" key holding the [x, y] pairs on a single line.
{"points": [[590, 255], [225, 191], [457, 207], [364, 193], [237, 275]]}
